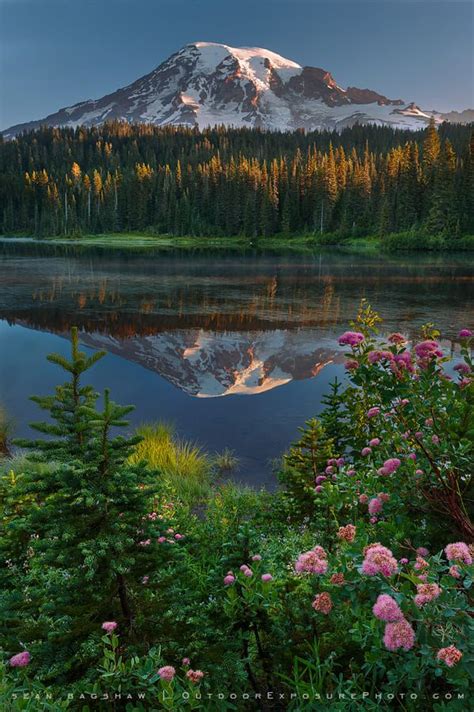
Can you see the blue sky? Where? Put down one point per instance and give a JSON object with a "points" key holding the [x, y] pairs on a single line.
{"points": [[57, 52]]}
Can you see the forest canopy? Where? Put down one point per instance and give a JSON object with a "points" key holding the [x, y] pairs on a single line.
{"points": [[222, 181]]}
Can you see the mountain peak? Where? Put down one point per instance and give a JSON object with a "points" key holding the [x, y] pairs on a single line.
{"points": [[210, 83]]}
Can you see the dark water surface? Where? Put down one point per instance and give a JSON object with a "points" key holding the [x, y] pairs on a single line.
{"points": [[236, 349]]}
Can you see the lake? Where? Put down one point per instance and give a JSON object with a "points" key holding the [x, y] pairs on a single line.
{"points": [[235, 348]]}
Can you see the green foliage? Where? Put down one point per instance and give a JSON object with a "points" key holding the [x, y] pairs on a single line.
{"points": [[183, 466], [268, 594], [240, 182]]}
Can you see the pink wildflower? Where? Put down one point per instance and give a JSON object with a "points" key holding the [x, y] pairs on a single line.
{"points": [[20, 659], [318, 488], [366, 451], [378, 560], [363, 499], [450, 655], [435, 439], [313, 561], [454, 571], [387, 609], [323, 603], [161, 539], [426, 592], [383, 496], [397, 338], [186, 662], [229, 579], [145, 579], [338, 579], [347, 533], [391, 465], [351, 338], [374, 442], [422, 551], [372, 412], [109, 626], [320, 479], [459, 551], [266, 578], [420, 564], [399, 634], [375, 505], [462, 368], [465, 334], [256, 557], [351, 365], [340, 461], [195, 676], [167, 673]]}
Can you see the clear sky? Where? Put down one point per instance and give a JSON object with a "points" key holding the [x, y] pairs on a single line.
{"points": [[54, 53]]}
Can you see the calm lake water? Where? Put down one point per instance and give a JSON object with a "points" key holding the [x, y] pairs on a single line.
{"points": [[235, 349]]}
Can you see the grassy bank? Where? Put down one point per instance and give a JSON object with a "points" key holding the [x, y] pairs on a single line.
{"points": [[299, 243]]}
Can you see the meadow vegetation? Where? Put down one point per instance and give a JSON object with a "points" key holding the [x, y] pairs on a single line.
{"points": [[348, 588]]}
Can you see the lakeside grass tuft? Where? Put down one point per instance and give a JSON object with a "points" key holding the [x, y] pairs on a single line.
{"points": [[186, 469]]}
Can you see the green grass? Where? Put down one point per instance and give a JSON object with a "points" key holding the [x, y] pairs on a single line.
{"points": [[226, 461], [186, 469], [6, 430]]}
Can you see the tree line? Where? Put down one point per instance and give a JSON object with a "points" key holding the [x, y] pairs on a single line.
{"points": [[222, 181]]}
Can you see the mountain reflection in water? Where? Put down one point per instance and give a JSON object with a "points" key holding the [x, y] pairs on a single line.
{"points": [[214, 324]]}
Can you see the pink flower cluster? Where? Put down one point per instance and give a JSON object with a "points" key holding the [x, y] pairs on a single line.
{"points": [[195, 676], [313, 561], [347, 533], [426, 351], [372, 412], [426, 592], [389, 466], [397, 338], [458, 551], [20, 659], [338, 579], [351, 338], [399, 634], [109, 626], [378, 560], [375, 506], [376, 356], [450, 655], [167, 673], [387, 609], [323, 603]]}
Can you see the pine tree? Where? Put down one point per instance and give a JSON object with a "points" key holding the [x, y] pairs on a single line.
{"points": [[79, 530]]}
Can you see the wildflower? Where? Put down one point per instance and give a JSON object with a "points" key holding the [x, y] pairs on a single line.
{"points": [[397, 338], [375, 505], [454, 571], [450, 655], [323, 603], [248, 573], [320, 478], [401, 362], [372, 412], [329, 469], [161, 539], [195, 676], [167, 673], [422, 551], [145, 579], [404, 561], [351, 365], [338, 579], [179, 536], [435, 439], [428, 350], [426, 592], [186, 662], [318, 488], [351, 338], [420, 564], [347, 533], [20, 659], [229, 579], [462, 368], [374, 442], [109, 626], [351, 473], [313, 561], [366, 451], [387, 609], [363, 499], [376, 356], [429, 422], [378, 560], [256, 557], [418, 472], [340, 461], [391, 465], [465, 334], [383, 496], [145, 542], [266, 578], [399, 634], [459, 551], [411, 456]]}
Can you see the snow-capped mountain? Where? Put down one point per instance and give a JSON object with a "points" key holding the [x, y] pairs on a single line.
{"points": [[205, 83], [209, 364]]}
